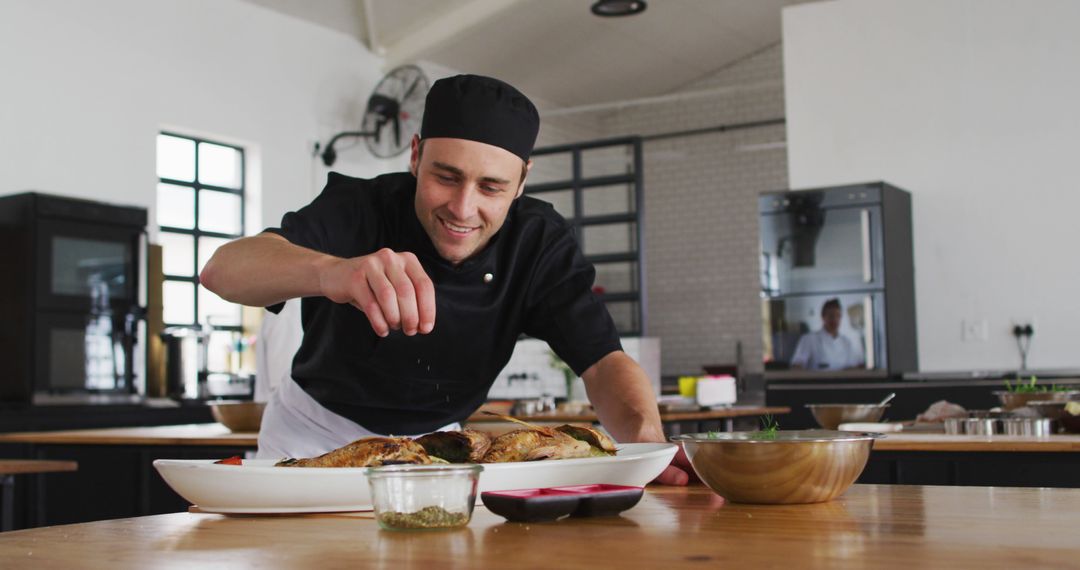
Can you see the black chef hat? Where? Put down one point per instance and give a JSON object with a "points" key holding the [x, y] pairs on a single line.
{"points": [[481, 109]]}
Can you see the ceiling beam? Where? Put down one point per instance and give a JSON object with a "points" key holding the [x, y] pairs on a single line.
{"points": [[370, 38], [427, 36]]}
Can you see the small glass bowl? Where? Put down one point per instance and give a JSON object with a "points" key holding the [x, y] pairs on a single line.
{"points": [[423, 497]]}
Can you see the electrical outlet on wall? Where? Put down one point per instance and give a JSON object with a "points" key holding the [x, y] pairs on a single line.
{"points": [[974, 330], [1024, 325]]}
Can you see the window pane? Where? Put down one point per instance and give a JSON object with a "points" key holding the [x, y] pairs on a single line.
{"points": [[219, 212], [219, 165], [220, 349], [215, 311], [175, 158], [600, 200], [607, 161], [625, 315], [618, 277], [609, 238], [562, 201], [207, 247], [176, 206], [179, 302], [177, 254], [556, 167]]}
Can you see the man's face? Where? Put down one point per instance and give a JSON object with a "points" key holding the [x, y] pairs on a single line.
{"points": [[463, 192], [831, 320]]}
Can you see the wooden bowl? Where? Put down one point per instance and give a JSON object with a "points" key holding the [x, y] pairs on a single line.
{"points": [[830, 416], [239, 416], [808, 466], [1013, 400]]}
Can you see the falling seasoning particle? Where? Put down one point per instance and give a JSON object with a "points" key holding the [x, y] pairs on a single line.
{"points": [[488, 277]]}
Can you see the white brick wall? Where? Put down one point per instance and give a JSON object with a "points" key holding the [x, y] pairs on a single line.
{"points": [[701, 228]]}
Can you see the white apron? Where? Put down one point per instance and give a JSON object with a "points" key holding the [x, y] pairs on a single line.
{"points": [[295, 425]]}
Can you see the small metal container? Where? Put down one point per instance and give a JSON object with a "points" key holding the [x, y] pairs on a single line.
{"points": [[1027, 426], [980, 426], [954, 426]]}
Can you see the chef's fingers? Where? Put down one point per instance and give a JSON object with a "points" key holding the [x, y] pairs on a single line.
{"points": [[386, 298], [404, 292], [425, 293], [365, 300], [672, 476]]}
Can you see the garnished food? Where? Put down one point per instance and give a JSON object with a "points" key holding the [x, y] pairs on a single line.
{"points": [[600, 444], [234, 460], [466, 446], [531, 443], [427, 517], [367, 452]]}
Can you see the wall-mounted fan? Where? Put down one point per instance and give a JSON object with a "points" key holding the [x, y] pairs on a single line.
{"points": [[392, 116]]}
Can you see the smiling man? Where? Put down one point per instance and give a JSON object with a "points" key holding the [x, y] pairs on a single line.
{"points": [[415, 287]]}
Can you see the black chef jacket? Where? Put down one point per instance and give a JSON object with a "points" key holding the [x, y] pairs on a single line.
{"points": [[540, 285]]}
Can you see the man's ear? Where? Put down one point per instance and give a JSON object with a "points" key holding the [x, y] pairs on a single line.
{"points": [[521, 187], [414, 157]]}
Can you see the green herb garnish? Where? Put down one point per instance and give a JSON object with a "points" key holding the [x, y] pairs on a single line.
{"points": [[1022, 387], [769, 427], [428, 517]]}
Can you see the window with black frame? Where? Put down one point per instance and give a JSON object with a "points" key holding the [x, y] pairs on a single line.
{"points": [[597, 187], [200, 206]]}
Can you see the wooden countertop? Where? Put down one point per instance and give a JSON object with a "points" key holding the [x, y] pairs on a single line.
{"points": [[190, 434], [217, 435], [665, 417], [32, 466], [873, 526], [980, 443]]}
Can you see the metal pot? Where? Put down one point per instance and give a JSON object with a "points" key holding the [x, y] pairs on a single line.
{"points": [[185, 362]]}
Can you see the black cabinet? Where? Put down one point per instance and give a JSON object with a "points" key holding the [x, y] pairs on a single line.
{"points": [[113, 481]]}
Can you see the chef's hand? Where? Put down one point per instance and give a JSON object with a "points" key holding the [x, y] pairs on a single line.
{"points": [[679, 472], [391, 288]]}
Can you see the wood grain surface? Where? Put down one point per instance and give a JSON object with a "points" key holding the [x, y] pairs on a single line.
{"points": [[190, 434], [665, 417], [25, 466], [1002, 443], [868, 527], [217, 435]]}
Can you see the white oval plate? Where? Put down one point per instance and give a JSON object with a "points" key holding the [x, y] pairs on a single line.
{"points": [[259, 487]]}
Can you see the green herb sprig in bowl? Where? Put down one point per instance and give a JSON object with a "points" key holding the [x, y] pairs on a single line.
{"points": [[1030, 387], [769, 427]]}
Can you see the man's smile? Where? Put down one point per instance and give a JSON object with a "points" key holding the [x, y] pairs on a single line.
{"points": [[456, 229]]}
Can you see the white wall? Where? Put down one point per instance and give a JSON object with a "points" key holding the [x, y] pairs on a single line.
{"points": [[973, 107], [86, 86]]}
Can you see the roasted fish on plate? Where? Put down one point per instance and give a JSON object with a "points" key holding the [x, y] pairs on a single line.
{"points": [[367, 452], [531, 443]]}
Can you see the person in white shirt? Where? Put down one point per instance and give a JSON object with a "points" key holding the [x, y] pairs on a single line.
{"points": [[827, 349]]}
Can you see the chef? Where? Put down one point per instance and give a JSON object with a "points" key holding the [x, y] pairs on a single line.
{"points": [[416, 285], [827, 349]]}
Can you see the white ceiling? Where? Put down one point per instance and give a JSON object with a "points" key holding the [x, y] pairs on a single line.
{"points": [[556, 51]]}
